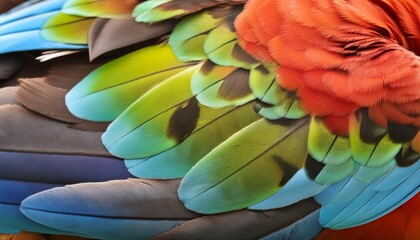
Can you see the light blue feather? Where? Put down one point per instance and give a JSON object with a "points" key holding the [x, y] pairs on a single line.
{"points": [[26, 24], [299, 187], [30, 40], [394, 178], [26, 10], [353, 202]]}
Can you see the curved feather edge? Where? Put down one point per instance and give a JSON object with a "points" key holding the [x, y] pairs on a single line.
{"points": [[101, 98], [258, 150], [31, 9], [13, 192], [131, 209], [304, 229], [352, 202], [100, 8], [299, 187], [247, 224]]}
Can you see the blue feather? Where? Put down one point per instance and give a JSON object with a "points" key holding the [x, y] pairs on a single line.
{"points": [[299, 187]]}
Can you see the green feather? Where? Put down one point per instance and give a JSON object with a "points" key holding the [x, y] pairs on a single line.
{"points": [[214, 126], [218, 86], [247, 168], [109, 90], [65, 28], [221, 47], [149, 11], [371, 154], [327, 147], [138, 131], [187, 39]]}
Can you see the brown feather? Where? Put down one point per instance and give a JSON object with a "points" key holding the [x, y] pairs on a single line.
{"points": [[6, 5], [244, 224], [24, 131], [47, 100], [107, 35]]}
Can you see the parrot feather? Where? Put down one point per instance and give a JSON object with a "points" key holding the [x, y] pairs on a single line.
{"points": [[13, 192], [105, 206], [100, 8], [262, 223], [299, 187], [178, 160], [143, 122], [108, 35], [31, 8], [218, 86], [155, 11], [97, 98], [260, 169], [24, 131], [188, 37], [26, 24], [67, 29], [40, 97]]}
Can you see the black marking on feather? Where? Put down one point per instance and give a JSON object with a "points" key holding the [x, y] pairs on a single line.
{"points": [[207, 67], [313, 167], [190, 6], [259, 105], [407, 156], [184, 120], [401, 133], [235, 85], [288, 169], [243, 56], [370, 132], [285, 121]]}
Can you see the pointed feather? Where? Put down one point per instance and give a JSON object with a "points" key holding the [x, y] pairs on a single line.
{"points": [[65, 28], [222, 47], [218, 86], [374, 155], [138, 131], [276, 103], [305, 228], [40, 97], [31, 8], [242, 224], [13, 192], [178, 160], [327, 147], [108, 35], [155, 11], [101, 8], [119, 205], [299, 187], [187, 39], [23, 131], [103, 95], [31, 40], [217, 184], [26, 24]]}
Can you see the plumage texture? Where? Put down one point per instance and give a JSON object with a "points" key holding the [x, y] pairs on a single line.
{"points": [[266, 105]]}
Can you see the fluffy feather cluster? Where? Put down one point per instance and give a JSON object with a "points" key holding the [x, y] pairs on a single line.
{"points": [[341, 55]]}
